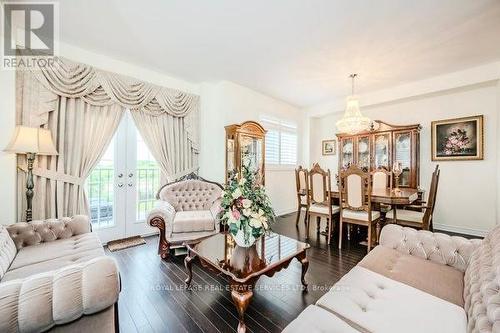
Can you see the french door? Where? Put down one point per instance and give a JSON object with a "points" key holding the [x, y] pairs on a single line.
{"points": [[122, 188]]}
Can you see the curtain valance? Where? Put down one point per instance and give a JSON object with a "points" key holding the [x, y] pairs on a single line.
{"points": [[96, 87], [101, 88]]}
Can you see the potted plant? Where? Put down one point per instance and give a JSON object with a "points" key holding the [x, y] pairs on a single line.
{"points": [[246, 208]]}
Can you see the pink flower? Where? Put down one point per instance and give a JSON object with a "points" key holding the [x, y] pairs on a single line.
{"points": [[236, 214]]}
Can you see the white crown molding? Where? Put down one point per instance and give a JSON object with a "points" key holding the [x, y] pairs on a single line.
{"points": [[472, 76]]}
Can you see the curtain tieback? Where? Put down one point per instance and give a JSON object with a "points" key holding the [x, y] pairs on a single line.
{"points": [[54, 175]]}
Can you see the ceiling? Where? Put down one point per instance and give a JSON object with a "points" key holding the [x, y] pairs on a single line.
{"points": [[296, 50]]}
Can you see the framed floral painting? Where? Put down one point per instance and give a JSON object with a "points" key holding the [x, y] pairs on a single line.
{"points": [[329, 147], [458, 139]]}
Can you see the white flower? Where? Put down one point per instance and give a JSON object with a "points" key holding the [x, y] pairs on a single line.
{"points": [[237, 193], [259, 220], [247, 212], [242, 181], [247, 203], [255, 223]]}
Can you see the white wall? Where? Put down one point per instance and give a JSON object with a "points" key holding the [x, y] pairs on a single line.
{"points": [[468, 190], [224, 103]]}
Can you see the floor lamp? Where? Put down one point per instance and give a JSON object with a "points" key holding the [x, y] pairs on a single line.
{"points": [[31, 141]]}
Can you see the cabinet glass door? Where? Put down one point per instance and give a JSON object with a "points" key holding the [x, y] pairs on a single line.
{"points": [[347, 152], [363, 151], [251, 153], [382, 149], [403, 155]]}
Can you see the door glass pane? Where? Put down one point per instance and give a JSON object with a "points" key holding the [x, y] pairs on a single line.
{"points": [[382, 150], [347, 152], [364, 153], [148, 180], [403, 155], [99, 187]]}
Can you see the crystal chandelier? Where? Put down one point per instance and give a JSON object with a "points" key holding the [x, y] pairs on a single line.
{"points": [[353, 121]]}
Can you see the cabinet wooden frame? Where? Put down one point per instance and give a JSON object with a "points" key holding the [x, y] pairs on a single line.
{"points": [[382, 128], [236, 132]]}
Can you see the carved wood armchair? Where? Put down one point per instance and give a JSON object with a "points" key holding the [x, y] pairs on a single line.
{"points": [[421, 219], [186, 211], [355, 202], [320, 199], [302, 183]]}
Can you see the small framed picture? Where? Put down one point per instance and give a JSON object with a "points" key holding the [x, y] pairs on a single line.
{"points": [[458, 139], [329, 147]]}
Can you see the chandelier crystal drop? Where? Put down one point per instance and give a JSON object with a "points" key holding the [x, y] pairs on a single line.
{"points": [[353, 120]]}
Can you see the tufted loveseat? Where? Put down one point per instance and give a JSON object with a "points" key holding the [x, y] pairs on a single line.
{"points": [[414, 281], [186, 211], [54, 276]]}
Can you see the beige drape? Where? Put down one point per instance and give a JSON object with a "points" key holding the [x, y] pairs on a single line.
{"points": [[83, 133], [82, 106], [168, 142]]}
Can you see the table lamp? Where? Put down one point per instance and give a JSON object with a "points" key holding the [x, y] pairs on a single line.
{"points": [[31, 141]]}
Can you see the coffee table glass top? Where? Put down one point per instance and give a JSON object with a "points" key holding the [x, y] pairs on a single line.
{"points": [[221, 252]]}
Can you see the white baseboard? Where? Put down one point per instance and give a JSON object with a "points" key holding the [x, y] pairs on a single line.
{"points": [[460, 230]]}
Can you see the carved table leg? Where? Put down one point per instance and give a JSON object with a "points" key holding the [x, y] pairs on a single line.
{"points": [[189, 269], [305, 265], [241, 296]]}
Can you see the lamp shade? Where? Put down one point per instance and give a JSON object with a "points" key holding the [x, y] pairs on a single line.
{"points": [[31, 140]]}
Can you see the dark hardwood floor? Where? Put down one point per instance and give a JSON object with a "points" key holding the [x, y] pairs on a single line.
{"points": [[154, 298]]}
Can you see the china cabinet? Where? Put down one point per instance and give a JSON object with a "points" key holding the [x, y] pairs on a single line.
{"points": [[381, 146], [245, 145]]}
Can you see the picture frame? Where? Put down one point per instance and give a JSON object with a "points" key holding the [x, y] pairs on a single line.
{"points": [[458, 139], [329, 147]]}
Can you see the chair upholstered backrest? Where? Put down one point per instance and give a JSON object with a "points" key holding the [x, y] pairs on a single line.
{"points": [[431, 202], [301, 180], [320, 184], [191, 194], [355, 189], [381, 179]]}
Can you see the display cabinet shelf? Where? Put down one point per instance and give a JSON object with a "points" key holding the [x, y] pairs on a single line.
{"points": [[381, 146]]}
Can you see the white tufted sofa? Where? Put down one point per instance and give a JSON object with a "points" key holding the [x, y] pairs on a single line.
{"points": [[186, 211], [414, 281], [54, 276]]}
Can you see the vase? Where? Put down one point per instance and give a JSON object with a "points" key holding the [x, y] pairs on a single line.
{"points": [[240, 240]]}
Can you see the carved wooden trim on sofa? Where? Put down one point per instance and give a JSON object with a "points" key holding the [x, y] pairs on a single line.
{"points": [[163, 245], [190, 176]]}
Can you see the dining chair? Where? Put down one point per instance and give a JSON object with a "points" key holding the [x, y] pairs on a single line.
{"points": [[382, 179], [302, 183], [421, 219], [320, 199], [355, 203]]}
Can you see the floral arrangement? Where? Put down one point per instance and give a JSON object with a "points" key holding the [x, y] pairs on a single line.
{"points": [[456, 142], [246, 208]]}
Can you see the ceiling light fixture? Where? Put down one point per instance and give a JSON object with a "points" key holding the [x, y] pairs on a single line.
{"points": [[353, 121]]}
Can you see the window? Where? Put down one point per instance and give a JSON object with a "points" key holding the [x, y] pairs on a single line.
{"points": [[281, 142]]}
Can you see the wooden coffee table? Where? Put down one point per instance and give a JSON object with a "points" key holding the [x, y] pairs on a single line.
{"points": [[244, 266]]}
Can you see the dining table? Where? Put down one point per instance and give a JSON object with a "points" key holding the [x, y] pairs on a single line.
{"points": [[400, 196]]}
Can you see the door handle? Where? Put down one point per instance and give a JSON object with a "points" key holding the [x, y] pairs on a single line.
{"points": [[120, 184], [131, 174], [130, 184], [120, 175]]}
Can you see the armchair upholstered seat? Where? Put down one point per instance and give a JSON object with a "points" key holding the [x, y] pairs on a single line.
{"points": [[186, 211]]}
